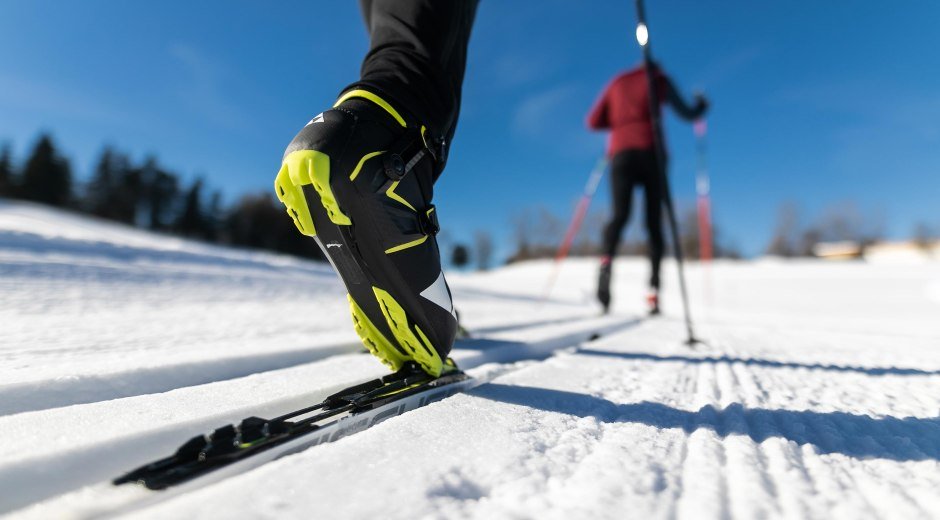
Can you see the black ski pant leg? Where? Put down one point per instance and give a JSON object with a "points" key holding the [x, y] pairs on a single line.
{"points": [[622, 181], [417, 56], [653, 191]]}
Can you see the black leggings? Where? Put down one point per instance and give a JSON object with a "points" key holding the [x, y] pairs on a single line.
{"points": [[417, 56], [628, 169]]}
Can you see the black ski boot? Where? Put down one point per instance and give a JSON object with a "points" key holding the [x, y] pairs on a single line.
{"points": [[359, 179], [603, 284]]}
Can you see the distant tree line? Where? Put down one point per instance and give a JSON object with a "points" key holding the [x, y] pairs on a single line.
{"points": [[477, 254], [149, 196], [840, 222], [537, 233]]}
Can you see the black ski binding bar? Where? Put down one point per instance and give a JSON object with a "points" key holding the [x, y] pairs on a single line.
{"points": [[253, 435]]}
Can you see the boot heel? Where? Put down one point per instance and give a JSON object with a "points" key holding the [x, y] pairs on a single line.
{"points": [[299, 169], [292, 196]]}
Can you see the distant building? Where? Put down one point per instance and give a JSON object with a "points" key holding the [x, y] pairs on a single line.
{"points": [[906, 251], [842, 250], [900, 251]]}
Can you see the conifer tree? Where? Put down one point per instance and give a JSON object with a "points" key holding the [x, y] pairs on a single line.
{"points": [[47, 177], [7, 186]]}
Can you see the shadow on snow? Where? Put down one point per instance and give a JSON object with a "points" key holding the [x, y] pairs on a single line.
{"points": [[529, 324], [857, 436], [872, 371]]}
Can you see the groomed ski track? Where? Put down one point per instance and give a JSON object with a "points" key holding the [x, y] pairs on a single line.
{"points": [[816, 396], [104, 458]]}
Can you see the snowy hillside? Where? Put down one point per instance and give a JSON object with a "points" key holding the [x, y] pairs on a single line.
{"points": [[816, 395]]}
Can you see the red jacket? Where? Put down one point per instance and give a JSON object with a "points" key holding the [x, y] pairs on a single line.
{"points": [[624, 108]]}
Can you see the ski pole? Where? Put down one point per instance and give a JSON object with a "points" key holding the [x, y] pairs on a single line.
{"points": [[703, 191], [579, 213], [642, 37]]}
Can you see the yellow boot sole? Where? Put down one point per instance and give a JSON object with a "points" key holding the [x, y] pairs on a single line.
{"points": [[376, 342], [422, 352]]}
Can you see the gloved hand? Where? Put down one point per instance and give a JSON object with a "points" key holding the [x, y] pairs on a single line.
{"points": [[701, 101]]}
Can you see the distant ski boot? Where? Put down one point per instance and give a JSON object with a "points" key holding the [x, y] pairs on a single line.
{"points": [[359, 179], [603, 284], [652, 302]]}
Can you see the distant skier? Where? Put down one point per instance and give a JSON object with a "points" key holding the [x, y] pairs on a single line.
{"points": [[624, 109], [359, 178]]}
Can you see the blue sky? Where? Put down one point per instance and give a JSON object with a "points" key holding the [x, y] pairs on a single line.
{"points": [[813, 102]]}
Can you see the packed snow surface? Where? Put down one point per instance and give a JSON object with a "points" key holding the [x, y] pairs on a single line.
{"points": [[816, 392]]}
